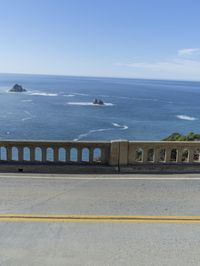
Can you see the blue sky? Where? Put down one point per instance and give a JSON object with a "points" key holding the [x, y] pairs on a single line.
{"points": [[117, 38]]}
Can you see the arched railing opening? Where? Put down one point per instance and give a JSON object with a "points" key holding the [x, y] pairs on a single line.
{"points": [[61, 154], [3, 154], [185, 155], [49, 155], [139, 155], [26, 154], [196, 155], [173, 155], [150, 155], [97, 155], [38, 154], [85, 155], [73, 155], [15, 154], [162, 155]]}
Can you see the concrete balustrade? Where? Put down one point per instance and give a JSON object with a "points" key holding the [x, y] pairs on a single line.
{"points": [[120, 154], [55, 151]]}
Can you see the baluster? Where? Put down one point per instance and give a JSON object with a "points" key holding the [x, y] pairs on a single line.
{"points": [[79, 159], [67, 154], [156, 155], [190, 156], [135, 154], [167, 155], [9, 154], [179, 155], [91, 155], [55, 154], [145, 155], [20, 154], [32, 154], [44, 154]]}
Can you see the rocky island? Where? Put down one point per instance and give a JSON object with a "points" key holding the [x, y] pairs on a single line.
{"points": [[17, 88], [98, 102]]}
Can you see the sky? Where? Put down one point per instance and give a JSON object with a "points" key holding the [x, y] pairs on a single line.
{"points": [[156, 39]]}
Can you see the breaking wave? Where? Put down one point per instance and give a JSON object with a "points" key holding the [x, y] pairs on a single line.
{"points": [[89, 104], [186, 117], [121, 127], [42, 94]]}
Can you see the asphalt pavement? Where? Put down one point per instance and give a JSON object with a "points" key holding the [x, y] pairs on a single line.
{"points": [[91, 219]]}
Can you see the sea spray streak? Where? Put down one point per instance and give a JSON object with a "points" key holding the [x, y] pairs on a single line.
{"points": [[116, 125], [29, 116]]}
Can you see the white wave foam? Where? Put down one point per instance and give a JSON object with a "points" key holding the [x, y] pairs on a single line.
{"points": [[89, 104], [4, 89], [68, 95], [120, 127], [81, 94], [42, 94], [186, 117], [26, 118], [116, 125], [26, 101]]}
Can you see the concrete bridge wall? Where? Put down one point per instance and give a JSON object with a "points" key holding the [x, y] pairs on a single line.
{"points": [[99, 156]]}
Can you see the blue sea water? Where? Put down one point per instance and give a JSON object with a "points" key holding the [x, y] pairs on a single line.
{"points": [[60, 107]]}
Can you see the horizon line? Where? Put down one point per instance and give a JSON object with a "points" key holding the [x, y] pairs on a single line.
{"points": [[98, 77]]}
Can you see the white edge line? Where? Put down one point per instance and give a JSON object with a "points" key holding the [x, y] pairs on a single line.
{"points": [[93, 178]]}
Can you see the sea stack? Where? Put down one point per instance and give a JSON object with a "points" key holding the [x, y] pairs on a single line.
{"points": [[17, 88], [98, 102]]}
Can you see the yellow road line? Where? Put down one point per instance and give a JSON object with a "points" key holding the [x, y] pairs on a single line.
{"points": [[97, 218]]}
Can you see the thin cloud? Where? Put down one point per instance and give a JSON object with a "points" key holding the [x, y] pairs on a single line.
{"points": [[171, 69], [186, 65], [164, 65], [189, 52]]}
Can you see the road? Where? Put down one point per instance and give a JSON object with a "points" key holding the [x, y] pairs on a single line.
{"points": [[99, 220]]}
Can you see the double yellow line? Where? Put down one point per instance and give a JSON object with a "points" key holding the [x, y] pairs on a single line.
{"points": [[97, 218]]}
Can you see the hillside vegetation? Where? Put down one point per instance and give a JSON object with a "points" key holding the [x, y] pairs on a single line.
{"points": [[178, 137]]}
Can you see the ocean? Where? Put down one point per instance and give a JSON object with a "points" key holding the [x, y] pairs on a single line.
{"points": [[60, 108]]}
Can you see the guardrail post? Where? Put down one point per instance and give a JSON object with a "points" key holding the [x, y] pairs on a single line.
{"points": [[119, 153], [123, 152], [114, 153]]}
